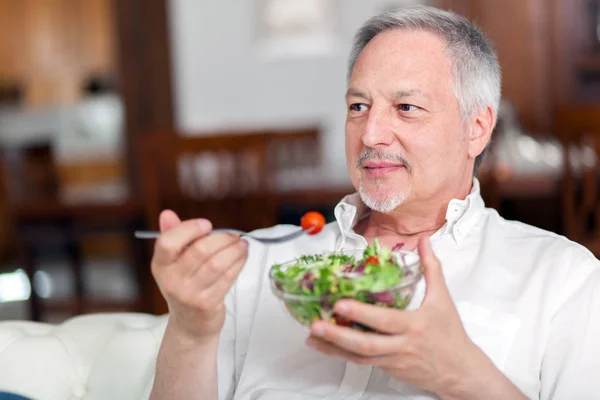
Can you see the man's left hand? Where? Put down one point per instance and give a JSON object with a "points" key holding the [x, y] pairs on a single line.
{"points": [[428, 347]]}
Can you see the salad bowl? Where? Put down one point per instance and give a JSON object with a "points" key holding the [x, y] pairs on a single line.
{"points": [[309, 286]]}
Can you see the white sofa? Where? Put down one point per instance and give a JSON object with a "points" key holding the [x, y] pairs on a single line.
{"points": [[95, 356]]}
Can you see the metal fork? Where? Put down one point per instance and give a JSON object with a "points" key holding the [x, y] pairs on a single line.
{"points": [[278, 239]]}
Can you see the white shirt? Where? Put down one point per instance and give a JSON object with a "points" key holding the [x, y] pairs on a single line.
{"points": [[530, 299]]}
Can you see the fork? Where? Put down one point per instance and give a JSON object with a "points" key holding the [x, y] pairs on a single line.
{"points": [[278, 239]]}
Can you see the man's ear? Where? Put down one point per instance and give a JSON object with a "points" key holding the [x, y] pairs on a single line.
{"points": [[481, 131]]}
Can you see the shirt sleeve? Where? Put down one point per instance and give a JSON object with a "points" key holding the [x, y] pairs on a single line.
{"points": [[571, 365], [226, 354]]}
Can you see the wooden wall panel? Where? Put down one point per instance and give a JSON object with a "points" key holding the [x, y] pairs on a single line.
{"points": [[546, 52], [521, 32], [52, 46], [97, 49], [12, 39], [524, 51]]}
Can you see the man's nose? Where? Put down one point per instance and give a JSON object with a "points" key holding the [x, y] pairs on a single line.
{"points": [[378, 131]]}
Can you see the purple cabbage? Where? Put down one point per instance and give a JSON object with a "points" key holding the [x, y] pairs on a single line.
{"points": [[396, 248], [383, 297], [360, 268], [325, 302], [348, 267], [307, 281]]}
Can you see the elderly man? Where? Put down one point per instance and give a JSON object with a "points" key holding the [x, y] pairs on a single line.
{"points": [[508, 312]]}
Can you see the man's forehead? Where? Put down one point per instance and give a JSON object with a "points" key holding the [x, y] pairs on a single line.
{"points": [[415, 39], [396, 93], [405, 62], [404, 48]]}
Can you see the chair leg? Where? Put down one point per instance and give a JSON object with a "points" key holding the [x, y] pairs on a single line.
{"points": [[27, 257], [141, 264], [76, 263]]}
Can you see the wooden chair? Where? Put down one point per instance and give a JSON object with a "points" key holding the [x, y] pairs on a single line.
{"points": [[219, 178], [42, 219], [579, 130], [227, 177]]}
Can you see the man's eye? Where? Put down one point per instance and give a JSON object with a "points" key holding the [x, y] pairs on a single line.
{"points": [[358, 107], [407, 107]]}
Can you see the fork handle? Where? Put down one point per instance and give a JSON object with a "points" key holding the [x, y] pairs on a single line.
{"points": [[156, 234]]}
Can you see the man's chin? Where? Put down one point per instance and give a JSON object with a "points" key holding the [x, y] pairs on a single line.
{"points": [[383, 193], [381, 203]]}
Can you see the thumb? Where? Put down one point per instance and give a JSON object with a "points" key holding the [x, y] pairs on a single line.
{"points": [[432, 270], [168, 220]]}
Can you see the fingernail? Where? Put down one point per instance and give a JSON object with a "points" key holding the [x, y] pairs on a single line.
{"points": [[341, 307], [318, 329], [204, 224]]}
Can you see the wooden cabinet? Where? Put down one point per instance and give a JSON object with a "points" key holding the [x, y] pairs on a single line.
{"points": [[576, 30], [546, 52], [51, 47]]}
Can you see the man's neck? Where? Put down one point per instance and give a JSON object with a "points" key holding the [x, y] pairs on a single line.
{"points": [[409, 222]]}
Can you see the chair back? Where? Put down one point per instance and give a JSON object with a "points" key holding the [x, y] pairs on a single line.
{"points": [[29, 173], [230, 179]]}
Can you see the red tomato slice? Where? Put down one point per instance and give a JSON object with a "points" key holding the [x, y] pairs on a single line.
{"points": [[372, 260], [312, 222], [342, 321]]}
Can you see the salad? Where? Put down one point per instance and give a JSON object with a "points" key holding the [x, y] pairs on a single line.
{"points": [[310, 285]]}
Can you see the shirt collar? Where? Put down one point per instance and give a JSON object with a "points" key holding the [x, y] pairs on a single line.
{"points": [[461, 216]]}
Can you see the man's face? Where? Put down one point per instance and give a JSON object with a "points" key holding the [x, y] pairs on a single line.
{"points": [[405, 140]]}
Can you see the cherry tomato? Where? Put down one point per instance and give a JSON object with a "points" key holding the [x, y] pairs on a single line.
{"points": [[342, 321], [312, 222], [372, 260]]}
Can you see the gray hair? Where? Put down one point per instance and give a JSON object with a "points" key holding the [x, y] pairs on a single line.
{"points": [[476, 71]]}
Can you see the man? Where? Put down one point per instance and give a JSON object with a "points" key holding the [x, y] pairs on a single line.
{"points": [[508, 312]]}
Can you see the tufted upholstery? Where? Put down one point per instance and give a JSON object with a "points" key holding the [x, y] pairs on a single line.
{"points": [[92, 357]]}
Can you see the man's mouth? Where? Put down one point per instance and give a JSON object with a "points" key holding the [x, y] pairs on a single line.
{"points": [[381, 168]]}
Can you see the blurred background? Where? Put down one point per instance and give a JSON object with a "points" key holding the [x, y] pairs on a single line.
{"points": [[111, 110]]}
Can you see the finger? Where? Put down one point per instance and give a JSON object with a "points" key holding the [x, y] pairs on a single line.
{"points": [[382, 319], [168, 220], [432, 271], [216, 293], [172, 242], [198, 252], [334, 351], [364, 344], [213, 268]]}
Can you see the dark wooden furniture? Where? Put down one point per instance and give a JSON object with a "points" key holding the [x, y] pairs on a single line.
{"points": [[145, 75], [42, 216], [129, 39], [204, 174], [578, 127], [548, 50], [217, 177], [229, 178]]}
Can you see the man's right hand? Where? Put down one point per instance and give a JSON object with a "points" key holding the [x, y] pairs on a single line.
{"points": [[194, 271]]}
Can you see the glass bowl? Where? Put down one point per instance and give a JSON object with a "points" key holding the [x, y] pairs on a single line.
{"points": [[307, 301]]}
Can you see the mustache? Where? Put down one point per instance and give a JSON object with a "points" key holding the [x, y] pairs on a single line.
{"points": [[382, 155]]}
